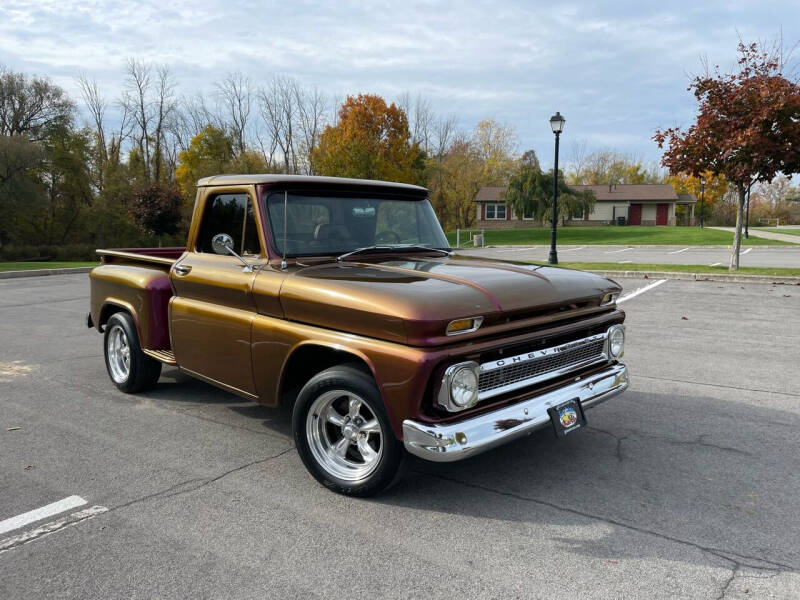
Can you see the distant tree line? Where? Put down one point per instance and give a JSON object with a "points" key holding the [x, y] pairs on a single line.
{"points": [[122, 171]]}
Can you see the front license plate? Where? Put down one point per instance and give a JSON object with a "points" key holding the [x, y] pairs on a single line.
{"points": [[567, 417]]}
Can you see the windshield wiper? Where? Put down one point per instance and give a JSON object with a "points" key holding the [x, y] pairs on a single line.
{"points": [[379, 249]]}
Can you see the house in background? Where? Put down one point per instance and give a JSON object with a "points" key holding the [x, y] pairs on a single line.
{"points": [[631, 204]]}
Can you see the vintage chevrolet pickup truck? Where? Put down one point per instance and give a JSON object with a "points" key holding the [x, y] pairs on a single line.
{"points": [[342, 299]]}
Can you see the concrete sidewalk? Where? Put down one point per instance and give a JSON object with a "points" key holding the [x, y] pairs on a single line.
{"points": [[767, 235]]}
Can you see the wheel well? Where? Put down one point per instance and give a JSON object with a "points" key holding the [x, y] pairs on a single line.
{"points": [[309, 360], [107, 311]]}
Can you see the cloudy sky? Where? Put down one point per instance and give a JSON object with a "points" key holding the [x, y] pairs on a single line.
{"points": [[616, 70]]}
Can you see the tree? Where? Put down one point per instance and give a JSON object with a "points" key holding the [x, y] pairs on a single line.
{"points": [[608, 166], [715, 189], [370, 141], [31, 106], [209, 153], [530, 192], [157, 209], [747, 127], [495, 144]]}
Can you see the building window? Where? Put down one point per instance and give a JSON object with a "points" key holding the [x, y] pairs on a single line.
{"points": [[495, 212], [527, 215]]}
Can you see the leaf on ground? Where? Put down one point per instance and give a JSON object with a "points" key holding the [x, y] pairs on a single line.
{"points": [[684, 318], [12, 428]]}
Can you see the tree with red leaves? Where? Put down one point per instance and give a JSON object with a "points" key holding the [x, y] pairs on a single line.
{"points": [[747, 128], [156, 209]]}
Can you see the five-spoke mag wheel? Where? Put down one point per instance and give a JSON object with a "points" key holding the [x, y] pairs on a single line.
{"points": [[343, 434]]}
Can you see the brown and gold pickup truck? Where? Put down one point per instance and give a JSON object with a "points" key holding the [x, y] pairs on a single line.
{"points": [[342, 299]]}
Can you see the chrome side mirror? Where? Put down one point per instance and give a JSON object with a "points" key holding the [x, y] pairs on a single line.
{"points": [[222, 243]]}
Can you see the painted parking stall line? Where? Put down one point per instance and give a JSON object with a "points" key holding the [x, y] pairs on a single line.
{"points": [[641, 290], [746, 251], [678, 251], [615, 251], [50, 527], [41, 513], [571, 249]]}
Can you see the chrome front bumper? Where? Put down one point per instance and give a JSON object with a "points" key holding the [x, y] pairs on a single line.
{"points": [[454, 441]]}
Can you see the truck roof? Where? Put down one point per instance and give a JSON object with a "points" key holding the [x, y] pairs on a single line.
{"points": [[310, 179]]}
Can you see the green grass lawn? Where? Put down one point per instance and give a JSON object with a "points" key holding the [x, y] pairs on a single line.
{"points": [[590, 266], [28, 266], [779, 230], [618, 236]]}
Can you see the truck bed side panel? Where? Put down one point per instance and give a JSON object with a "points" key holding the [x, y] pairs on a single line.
{"points": [[142, 290]]}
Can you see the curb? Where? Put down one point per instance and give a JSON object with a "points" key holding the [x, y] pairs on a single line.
{"points": [[43, 272], [701, 277]]}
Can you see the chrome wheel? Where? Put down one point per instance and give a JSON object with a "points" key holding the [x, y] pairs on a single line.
{"points": [[119, 354], [344, 435]]}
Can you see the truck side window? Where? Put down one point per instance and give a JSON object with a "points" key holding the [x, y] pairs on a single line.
{"points": [[231, 214]]}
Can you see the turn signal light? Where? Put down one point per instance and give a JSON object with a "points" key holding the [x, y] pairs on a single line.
{"points": [[463, 325]]}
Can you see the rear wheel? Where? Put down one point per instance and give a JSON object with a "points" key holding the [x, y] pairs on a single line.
{"points": [[343, 434], [129, 368]]}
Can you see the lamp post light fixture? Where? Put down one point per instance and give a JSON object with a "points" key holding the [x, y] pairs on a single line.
{"points": [[557, 125], [702, 199]]}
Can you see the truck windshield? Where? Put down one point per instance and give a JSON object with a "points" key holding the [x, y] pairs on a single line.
{"points": [[323, 225]]}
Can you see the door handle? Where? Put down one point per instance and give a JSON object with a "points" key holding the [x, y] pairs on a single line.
{"points": [[182, 269]]}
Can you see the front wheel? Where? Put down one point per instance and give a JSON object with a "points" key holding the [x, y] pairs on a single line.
{"points": [[130, 369], [343, 434]]}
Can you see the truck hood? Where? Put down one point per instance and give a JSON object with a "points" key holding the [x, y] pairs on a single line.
{"points": [[411, 300]]}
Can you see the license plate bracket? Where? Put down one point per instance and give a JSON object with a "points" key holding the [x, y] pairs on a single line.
{"points": [[567, 417]]}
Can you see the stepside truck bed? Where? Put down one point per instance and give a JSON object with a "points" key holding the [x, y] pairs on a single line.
{"points": [[136, 280]]}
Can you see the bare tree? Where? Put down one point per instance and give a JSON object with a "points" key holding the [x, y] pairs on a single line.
{"points": [[164, 107], [311, 109], [135, 101], [279, 111], [236, 97]]}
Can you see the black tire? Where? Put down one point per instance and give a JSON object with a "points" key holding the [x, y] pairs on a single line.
{"points": [[387, 467], [142, 371]]}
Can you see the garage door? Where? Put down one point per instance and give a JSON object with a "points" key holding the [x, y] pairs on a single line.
{"points": [[662, 213], [636, 214]]}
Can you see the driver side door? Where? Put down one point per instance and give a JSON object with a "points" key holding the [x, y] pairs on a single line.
{"points": [[212, 311]]}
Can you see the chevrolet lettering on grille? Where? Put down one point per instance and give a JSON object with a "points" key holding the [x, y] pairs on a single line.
{"points": [[514, 372]]}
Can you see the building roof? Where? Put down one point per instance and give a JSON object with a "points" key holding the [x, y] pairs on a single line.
{"points": [[303, 179], [490, 193], [634, 192]]}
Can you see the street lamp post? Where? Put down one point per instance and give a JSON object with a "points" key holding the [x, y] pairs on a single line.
{"points": [[702, 199], [747, 217], [557, 125]]}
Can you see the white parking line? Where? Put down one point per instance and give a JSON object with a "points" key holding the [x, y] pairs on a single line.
{"points": [[51, 527], [714, 264], [518, 249], [615, 251], [678, 251], [746, 251], [622, 262], [641, 290], [572, 249], [41, 513]]}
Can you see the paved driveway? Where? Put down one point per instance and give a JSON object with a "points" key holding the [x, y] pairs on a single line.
{"points": [[684, 486], [752, 256]]}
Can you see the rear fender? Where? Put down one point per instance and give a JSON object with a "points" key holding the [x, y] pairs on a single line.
{"points": [[144, 292]]}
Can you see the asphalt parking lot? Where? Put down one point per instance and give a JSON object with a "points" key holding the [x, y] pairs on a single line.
{"points": [[685, 486], [751, 256]]}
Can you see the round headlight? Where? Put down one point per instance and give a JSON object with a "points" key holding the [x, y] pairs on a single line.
{"points": [[464, 387], [616, 341]]}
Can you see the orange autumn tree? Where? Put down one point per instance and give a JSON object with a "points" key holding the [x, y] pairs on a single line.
{"points": [[686, 183], [747, 127], [370, 141]]}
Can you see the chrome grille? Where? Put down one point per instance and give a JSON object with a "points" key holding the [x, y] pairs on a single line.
{"points": [[511, 373]]}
